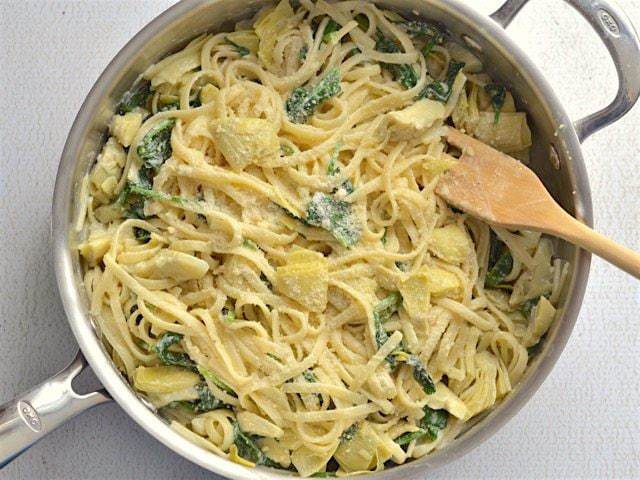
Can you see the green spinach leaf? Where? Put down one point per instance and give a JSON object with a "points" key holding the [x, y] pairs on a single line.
{"points": [[433, 421], [382, 312], [349, 433], [499, 271], [500, 262], [336, 216], [239, 49], [303, 101], [403, 73], [207, 401], [155, 147], [498, 95], [249, 450], [331, 28], [302, 54], [217, 381], [172, 358], [408, 437], [134, 98], [441, 90]]}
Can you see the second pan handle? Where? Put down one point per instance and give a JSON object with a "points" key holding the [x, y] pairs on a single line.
{"points": [[29, 417], [617, 33]]}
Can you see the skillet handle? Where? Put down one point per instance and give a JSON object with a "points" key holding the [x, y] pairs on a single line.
{"points": [[29, 417], [617, 33]]}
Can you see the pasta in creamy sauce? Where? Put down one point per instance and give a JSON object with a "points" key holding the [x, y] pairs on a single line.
{"points": [[266, 258]]}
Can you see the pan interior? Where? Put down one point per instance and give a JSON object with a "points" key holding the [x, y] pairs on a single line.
{"points": [[555, 157]]}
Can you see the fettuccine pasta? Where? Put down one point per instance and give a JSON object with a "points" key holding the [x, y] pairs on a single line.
{"points": [[267, 261]]}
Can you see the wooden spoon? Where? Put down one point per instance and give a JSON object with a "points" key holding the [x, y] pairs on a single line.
{"points": [[500, 190]]}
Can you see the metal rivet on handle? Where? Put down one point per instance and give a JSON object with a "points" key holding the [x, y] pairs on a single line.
{"points": [[29, 415], [609, 23]]}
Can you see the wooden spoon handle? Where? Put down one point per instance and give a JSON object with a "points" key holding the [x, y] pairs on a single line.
{"points": [[578, 233]]}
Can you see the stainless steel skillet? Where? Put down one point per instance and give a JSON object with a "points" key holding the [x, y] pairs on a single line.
{"points": [[556, 158]]}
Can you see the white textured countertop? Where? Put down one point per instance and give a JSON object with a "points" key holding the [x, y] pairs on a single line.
{"points": [[582, 423]]}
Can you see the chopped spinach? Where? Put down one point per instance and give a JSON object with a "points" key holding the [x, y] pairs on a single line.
{"points": [[213, 378], [154, 195], [347, 186], [349, 433], [428, 47], [383, 239], [249, 450], [309, 376], [332, 167], [135, 208], [433, 421], [239, 49], [498, 94], [382, 312], [427, 32], [419, 29], [228, 315], [302, 54], [420, 372], [131, 201], [141, 234], [303, 101], [189, 405], [174, 104], [145, 176], [168, 106], [382, 337], [207, 401], [441, 90], [286, 150], [172, 358], [336, 216], [331, 28], [136, 97], [155, 147], [408, 437], [528, 306], [323, 475], [496, 247], [500, 262], [132, 198], [290, 214], [535, 349], [500, 270], [387, 306], [132, 204], [404, 73]]}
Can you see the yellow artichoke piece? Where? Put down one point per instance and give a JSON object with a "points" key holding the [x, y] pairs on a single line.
{"points": [[306, 283], [164, 379]]}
